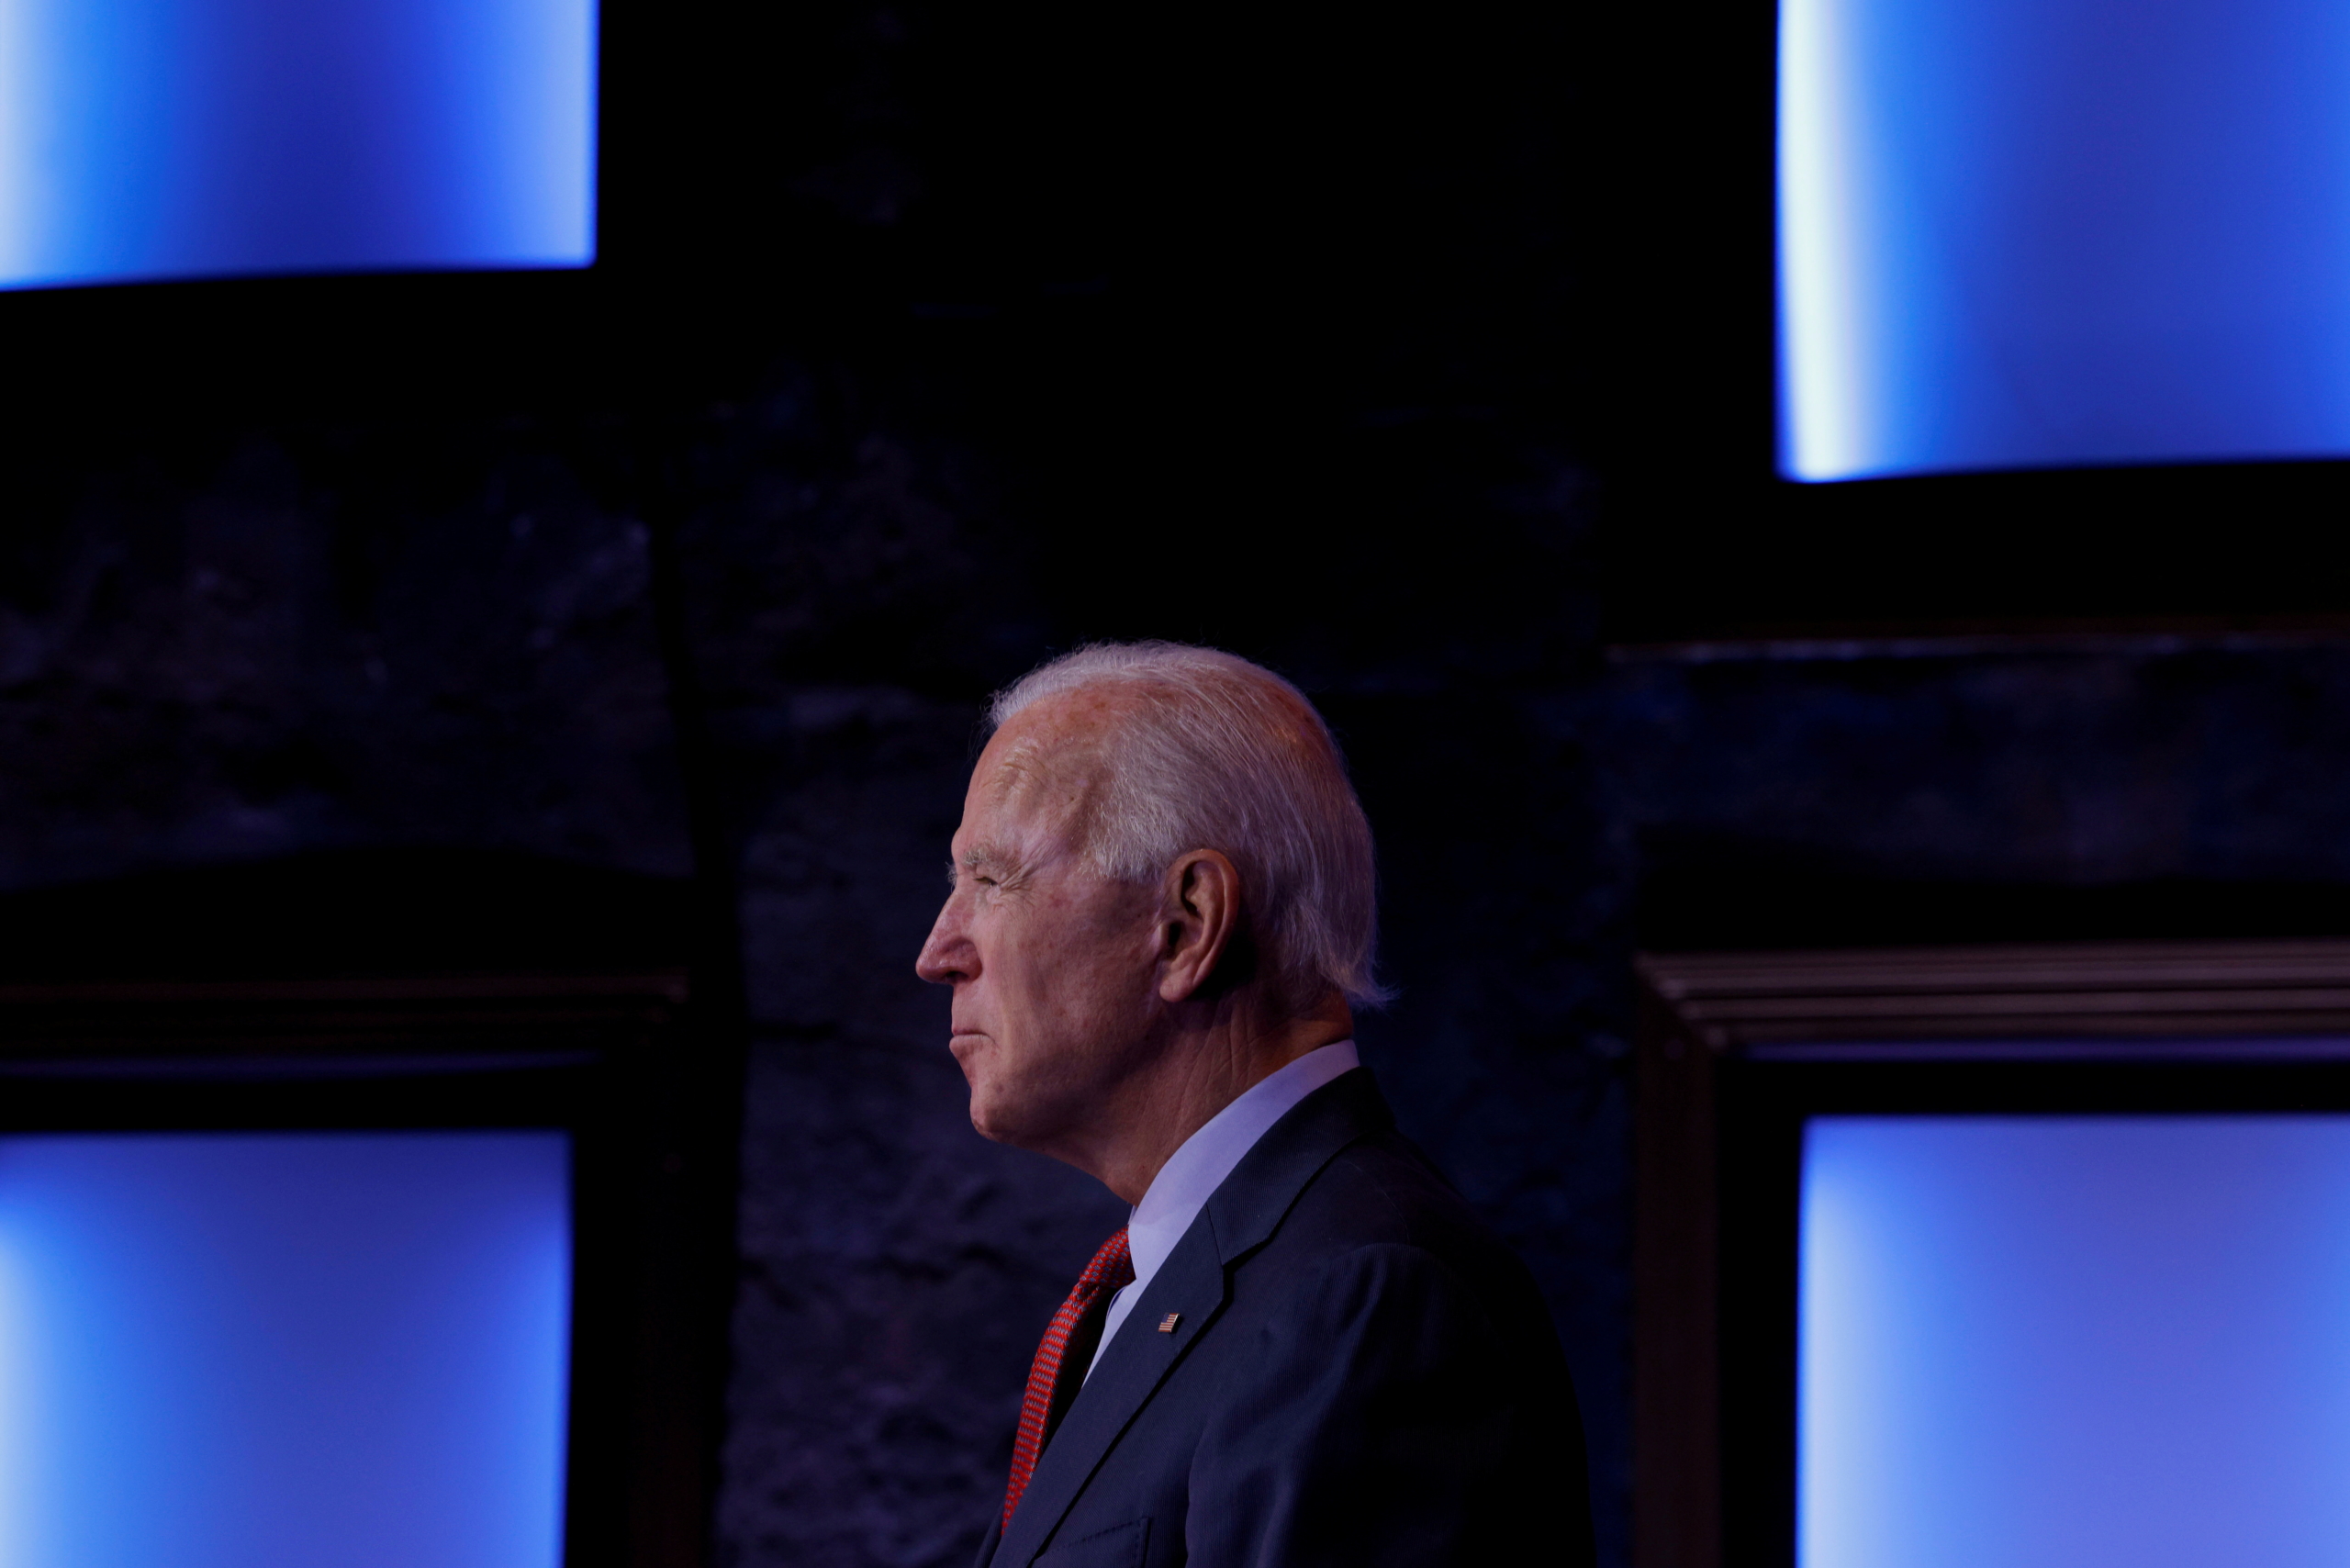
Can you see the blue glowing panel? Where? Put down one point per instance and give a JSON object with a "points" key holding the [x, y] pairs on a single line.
{"points": [[2016, 233], [2042, 1343], [284, 1350], [163, 138]]}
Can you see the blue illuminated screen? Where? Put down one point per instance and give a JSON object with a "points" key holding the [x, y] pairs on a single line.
{"points": [[2045, 1342], [2020, 233], [167, 138], [283, 1350]]}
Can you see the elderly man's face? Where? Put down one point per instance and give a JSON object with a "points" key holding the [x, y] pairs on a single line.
{"points": [[1053, 967]]}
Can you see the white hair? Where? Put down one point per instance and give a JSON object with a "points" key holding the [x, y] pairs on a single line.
{"points": [[1234, 758]]}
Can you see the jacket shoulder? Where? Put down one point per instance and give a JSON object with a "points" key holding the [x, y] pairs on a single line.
{"points": [[1381, 1190]]}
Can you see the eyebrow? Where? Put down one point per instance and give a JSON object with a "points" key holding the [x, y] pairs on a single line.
{"points": [[980, 858]]}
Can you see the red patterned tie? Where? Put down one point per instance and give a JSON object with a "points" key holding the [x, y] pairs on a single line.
{"points": [[1112, 1271]]}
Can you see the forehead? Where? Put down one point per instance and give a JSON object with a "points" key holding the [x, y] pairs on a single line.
{"points": [[1044, 766]]}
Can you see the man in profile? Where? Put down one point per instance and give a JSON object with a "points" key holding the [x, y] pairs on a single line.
{"points": [[1304, 1348]]}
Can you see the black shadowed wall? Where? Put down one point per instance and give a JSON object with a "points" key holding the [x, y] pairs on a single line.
{"points": [[935, 340]]}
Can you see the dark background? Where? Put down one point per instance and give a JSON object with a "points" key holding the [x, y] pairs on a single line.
{"points": [[1425, 357]]}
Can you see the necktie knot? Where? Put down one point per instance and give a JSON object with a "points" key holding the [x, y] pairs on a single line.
{"points": [[1113, 1268], [1112, 1271]]}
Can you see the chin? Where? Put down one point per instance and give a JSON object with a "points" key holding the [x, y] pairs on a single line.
{"points": [[1008, 1117], [987, 1112], [990, 1123], [991, 1115]]}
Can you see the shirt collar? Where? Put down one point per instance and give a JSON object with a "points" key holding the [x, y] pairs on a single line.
{"points": [[1198, 1168]]}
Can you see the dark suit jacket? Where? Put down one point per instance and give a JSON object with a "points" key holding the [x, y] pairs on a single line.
{"points": [[1362, 1374]]}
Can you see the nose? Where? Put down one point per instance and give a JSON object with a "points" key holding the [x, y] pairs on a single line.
{"points": [[946, 954]]}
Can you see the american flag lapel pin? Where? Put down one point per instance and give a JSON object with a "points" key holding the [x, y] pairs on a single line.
{"points": [[1167, 1323]]}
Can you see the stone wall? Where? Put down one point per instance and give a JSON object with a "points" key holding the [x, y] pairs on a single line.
{"points": [[1283, 348]]}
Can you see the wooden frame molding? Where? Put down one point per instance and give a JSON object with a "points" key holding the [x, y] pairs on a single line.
{"points": [[618, 1060], [331, 1027], [2253, 1000]]}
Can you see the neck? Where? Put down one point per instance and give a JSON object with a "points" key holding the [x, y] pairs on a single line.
{"points": [[1211, 1054]]}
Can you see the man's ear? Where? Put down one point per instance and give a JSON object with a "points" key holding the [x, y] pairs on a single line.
{"points": [[1199, 921]]}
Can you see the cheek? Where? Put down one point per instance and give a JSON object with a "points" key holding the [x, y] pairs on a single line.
{"points": [[1112, 982], [1062, 972]]}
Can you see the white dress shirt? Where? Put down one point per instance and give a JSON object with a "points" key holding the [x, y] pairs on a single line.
{"points": [[1194, 1172]]}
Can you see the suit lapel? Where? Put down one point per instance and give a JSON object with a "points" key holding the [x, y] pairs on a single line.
{"points": [[1194, 1281], [1130, 1369], [1247, 1208]]}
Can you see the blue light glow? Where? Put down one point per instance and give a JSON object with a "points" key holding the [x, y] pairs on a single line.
{"points": [[2044, 1342], [282, 1351], [2019, 233], [162, 139]]}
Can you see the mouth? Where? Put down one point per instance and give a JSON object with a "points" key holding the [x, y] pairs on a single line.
{"points": [[965, 1045]]}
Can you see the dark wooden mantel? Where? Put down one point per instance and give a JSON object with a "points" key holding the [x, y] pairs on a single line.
{"points": [[2256, 1000]]}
